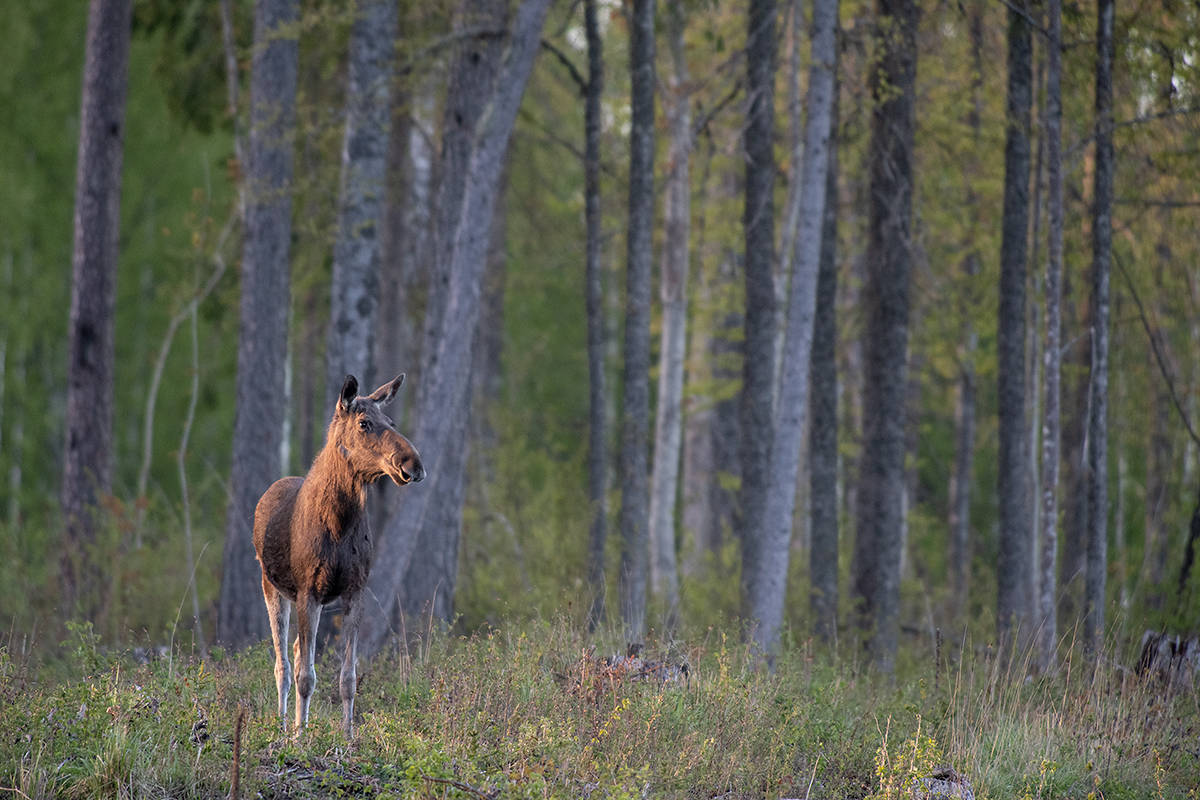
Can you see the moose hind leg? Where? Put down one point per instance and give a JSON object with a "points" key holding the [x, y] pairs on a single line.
{"points": [[352, 612], [279, 609], [308, 614]]}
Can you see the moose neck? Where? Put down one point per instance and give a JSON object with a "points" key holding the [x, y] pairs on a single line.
{"points": [[338, 493]]}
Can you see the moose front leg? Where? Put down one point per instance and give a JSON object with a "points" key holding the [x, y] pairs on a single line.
{"points": [[352, 611], [308, 614], [279, 608]]}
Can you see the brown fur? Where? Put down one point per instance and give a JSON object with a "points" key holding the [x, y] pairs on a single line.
{"points": [[314, 541]]}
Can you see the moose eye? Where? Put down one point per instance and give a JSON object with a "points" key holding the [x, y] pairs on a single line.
{"points": [[364, 425]]}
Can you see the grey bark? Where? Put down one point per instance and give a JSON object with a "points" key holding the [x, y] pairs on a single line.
{"points": [[673, 286], [472, 79], [594, 307], [87, 460], [877, 547], [1072, 547], [1160, 460], [427, 592], [354, 292], [636, 400], [964, 407], [1047, 635], [262, 338], [769, 575], [791, 203], [437, 434], [758, 365], [1097, 539], [1015, 557], [711, 425], [823, 395]]}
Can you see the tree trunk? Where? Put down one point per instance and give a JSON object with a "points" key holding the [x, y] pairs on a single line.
{"points": [[758, 370], [472, 80], [594, 306], [791, 203], [823, 395], [87, 460], [441, 436], [711, 425], [427, 592], [768, 583], [1160, 459], [964, 407], [354, 293], [877, 552], [262, 339], [636, 401], [1097, 539], [1015, 558], [668, 421], [1047, 625]]}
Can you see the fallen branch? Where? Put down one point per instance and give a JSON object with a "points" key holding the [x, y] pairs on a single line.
{"points": [[466, 787]]}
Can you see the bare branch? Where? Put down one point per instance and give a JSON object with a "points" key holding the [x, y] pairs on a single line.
{"points": [[566, 62], [1158, 354]]}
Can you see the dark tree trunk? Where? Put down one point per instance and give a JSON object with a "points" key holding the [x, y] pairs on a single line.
{"points": [[354, 293], [411, 542], [877, 550], [1047, 638], [87, 460], [1097, 539], [1015, 561], [964, 407], [823, 430], [262, 339], [769, 582], [758, 371], [594, 304], [1077, 355], [635, 489]]}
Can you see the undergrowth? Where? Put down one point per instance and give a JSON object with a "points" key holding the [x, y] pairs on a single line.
{"points": [[535, 712]]}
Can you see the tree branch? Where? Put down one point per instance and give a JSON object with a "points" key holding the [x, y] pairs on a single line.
{"points": [[566, 62], [1158, 355]]}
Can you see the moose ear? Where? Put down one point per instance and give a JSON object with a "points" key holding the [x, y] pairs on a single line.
{"points": [[387, 393], [349, 392]]}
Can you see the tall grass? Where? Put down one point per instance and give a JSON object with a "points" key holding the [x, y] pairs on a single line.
{"points": [[533, 711]]}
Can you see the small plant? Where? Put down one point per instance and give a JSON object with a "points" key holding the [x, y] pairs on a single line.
{"points": [[902, 771]]}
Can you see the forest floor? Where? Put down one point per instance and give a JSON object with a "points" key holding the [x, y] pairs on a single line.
{"points": [[542, 710]]}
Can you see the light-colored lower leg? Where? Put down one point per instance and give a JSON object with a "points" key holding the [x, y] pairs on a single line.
{"points": [[279, 609], [348, 683], [308, 614]]}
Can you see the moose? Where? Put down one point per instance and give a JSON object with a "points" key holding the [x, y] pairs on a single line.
{"points": [[314, 541]]}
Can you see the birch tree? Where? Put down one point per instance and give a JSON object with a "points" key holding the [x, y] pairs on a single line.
{"points": [[1047, 633], [769, 575], [437, 434], [673, 285]]}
